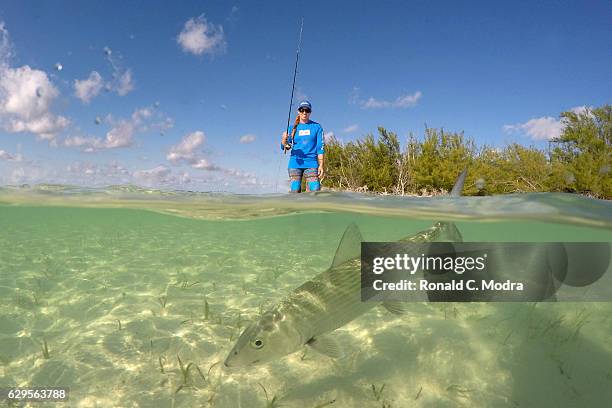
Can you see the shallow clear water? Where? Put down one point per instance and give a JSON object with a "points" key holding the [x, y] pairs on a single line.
{"points": [[116, 282]]}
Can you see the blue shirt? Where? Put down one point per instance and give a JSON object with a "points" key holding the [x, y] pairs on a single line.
{"points": [[307, 144]]}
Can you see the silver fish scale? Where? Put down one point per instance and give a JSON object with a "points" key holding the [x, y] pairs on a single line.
{"points": [[326, 302]]}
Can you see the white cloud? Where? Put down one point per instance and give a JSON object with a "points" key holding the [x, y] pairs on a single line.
{"points": [[164, 125], [140, 115], [243, 178], [6, 48], [162, 177], [26, 97], [125, 84], [252, 181], [151, 119], [404, 101], [351, 128], [201, 37], [109, 173], [544, 128], [407, 101], [247, 138], [87, 89], [4, 155], [185, 178], [238, 173], [327, 136], [27, 172], [186, 149], [582, 110], [88, 173], [204, 164], [121, 133], [187, 152], [156, 175], [119, 136], [77, 141]]}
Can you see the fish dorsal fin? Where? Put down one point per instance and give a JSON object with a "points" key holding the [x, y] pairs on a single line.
{"points": [[326, 345], [350, 245]]}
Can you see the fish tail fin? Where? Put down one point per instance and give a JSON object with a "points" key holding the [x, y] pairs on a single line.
{"points": [[451, 233], [458, 187]]}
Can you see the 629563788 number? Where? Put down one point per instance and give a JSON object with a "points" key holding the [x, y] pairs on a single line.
{"points": [[34, 394]]}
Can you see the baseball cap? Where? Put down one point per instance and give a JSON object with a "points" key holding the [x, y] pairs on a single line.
{"points": [[305, 104]]}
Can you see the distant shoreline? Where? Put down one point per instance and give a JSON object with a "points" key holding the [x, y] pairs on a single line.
{"points": [[442, 193]]}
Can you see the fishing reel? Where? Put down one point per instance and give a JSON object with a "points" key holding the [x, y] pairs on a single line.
{"points": [[288, 146]]}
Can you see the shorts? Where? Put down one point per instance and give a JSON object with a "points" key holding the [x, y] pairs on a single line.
{"points": [[312, 180]]}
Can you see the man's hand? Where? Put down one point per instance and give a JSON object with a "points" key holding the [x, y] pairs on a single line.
{"points": [[321, 173], [284, 139]]}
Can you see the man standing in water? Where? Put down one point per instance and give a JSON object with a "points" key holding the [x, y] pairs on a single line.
{"points": [[307, 151]]}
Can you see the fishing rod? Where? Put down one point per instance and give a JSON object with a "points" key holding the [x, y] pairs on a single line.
{"points": [[289, 144]]}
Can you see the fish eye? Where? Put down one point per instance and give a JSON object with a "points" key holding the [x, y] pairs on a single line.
{"points": [[257, 343]]}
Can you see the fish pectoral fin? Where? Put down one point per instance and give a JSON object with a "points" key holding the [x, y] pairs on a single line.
{"points": [[326, 345], [349, 247], [397, 308]]}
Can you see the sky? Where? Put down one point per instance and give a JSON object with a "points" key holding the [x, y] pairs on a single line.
{"points": [[194, 95]]}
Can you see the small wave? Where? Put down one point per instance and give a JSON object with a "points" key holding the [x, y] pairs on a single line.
{"points": [[547, 207]]}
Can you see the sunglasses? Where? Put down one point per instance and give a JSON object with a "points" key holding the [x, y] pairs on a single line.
{"points": [[304, 110]]}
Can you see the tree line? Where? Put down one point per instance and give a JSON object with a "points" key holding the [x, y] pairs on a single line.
{"points": [[578, 161]]}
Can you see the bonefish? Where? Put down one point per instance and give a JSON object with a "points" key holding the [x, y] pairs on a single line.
{"points": [[326, 302]]}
